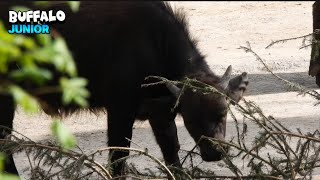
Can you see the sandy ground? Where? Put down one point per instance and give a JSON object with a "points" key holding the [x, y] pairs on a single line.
{"points": [[221, 27]]}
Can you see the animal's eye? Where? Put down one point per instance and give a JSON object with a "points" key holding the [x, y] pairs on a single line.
{"points": [[242, 88]]}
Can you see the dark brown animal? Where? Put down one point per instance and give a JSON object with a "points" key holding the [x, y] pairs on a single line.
{"points": [[117, 45]]}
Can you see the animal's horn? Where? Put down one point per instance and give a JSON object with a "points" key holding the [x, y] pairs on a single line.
{"points": [[173, 89], [226, 78]]}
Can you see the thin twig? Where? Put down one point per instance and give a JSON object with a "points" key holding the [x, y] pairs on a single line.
{"points": [[70, 154], [288, 39], [297, 87], [139, 151]]}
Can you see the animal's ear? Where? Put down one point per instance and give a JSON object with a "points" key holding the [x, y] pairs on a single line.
{"points": [[237, 86], [245, 81], [173, 89], [226, 78]]}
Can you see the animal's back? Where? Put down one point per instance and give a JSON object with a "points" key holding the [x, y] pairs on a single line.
{"points": [[107, 31], [117, 44]]}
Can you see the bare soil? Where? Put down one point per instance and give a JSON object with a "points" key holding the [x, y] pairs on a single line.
{"points": [[221, 28]]}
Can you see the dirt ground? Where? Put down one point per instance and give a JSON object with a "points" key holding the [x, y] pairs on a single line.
{"points": [[221, 27]]}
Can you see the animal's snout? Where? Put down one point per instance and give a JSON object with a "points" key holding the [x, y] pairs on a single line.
{"points": [[212, 155], [212, 152]]}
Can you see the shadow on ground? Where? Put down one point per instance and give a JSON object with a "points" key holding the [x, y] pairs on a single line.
{"points": [[269, 84]]}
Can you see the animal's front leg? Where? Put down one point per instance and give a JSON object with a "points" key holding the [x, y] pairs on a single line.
{"points": [[165, 131]]}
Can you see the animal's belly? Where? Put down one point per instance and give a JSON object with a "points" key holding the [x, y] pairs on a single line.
{"points": [[151, 107]]}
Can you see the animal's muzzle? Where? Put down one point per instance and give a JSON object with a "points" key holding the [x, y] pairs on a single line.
{"points": [[212, 152]]}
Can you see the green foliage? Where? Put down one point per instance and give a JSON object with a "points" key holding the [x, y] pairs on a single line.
{"points": [[29, 54], [26, 101], [74, 91], [63, 59], [20, 8], [5, 176], [32, 56], [74, 5], [64, 136], [32, 60]]}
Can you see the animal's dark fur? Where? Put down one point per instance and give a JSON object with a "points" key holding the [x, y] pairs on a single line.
{"points": [[116, 45], [175, 52], [314, 67]]}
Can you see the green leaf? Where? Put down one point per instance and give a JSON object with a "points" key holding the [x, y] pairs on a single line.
{"points": [[63, 58], [5, 176], [42, 3], [3, 63], [22, 98], [44, 39], [74, 5], [63, 135], [31, 73], [5, 36], [10, 50], [20, 8], [24, 41], [44, 54], [74, 91], [2, 159]]}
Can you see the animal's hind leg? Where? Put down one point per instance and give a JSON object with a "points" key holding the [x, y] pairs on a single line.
{"points": [[6, 118], [120, 123]]}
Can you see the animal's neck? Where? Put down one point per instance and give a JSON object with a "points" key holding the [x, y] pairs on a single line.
{"points": [[197, 66], [198, 69]]}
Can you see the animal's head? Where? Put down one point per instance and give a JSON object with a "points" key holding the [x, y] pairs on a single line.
{"points": [[205, 114]]}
